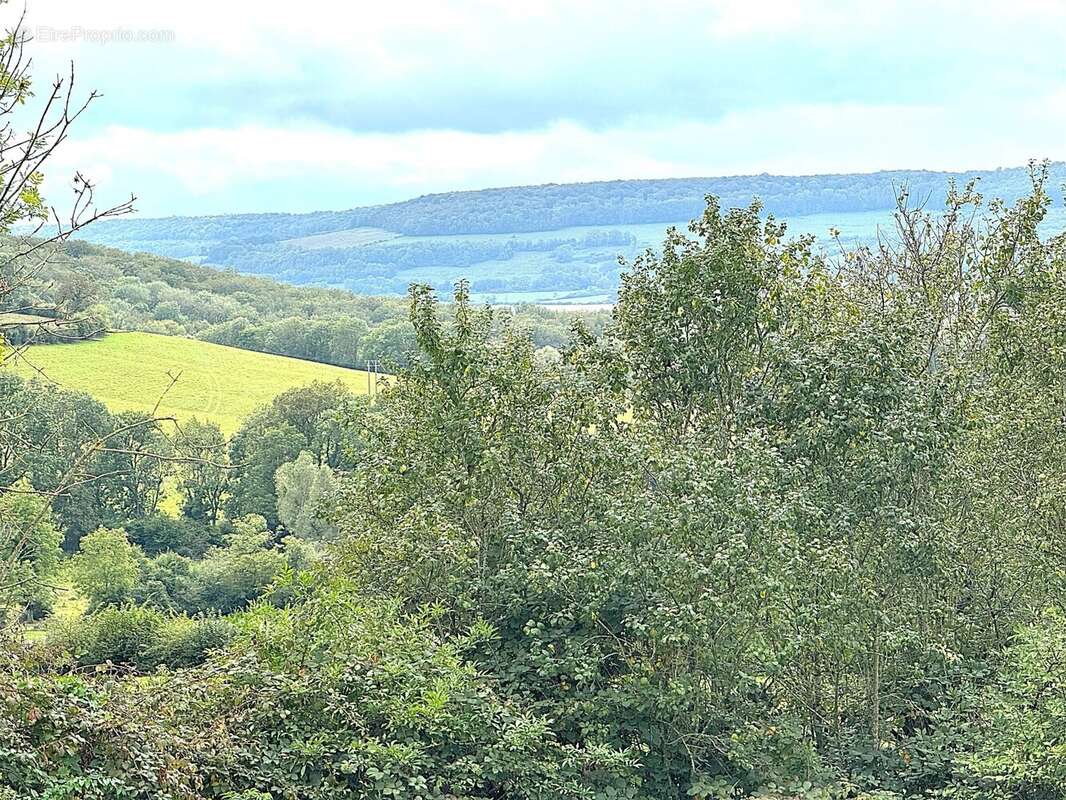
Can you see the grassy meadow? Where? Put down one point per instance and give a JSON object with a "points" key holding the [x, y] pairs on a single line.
{"points": [[131, 372]]}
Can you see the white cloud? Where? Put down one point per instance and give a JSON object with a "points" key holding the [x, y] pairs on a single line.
{"points": [[888, 19], [211, 163], [389, 36], [486, 60]]}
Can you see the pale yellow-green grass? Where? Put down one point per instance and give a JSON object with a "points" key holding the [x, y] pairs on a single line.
{"points": [[132, 372], [69, 603], [68, 606], [170, 501]]}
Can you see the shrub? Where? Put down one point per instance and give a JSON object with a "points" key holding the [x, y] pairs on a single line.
{"points": [[230, 577], [186, 642], [119, 635], [140, 637], [106, 568]]}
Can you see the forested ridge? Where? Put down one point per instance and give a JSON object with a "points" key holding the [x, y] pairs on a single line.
{"points": [[531, 243], [519, 209]]}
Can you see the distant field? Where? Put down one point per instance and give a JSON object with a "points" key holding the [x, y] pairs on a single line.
{"points": [[559, 301], [130, 372], [353, 237]]}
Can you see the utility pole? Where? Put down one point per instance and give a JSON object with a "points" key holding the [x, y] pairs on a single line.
{"points": [[373, 367]]}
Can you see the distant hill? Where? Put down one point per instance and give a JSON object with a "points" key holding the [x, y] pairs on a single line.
{"points": [[101, 288], [557, 242], [131, 372]]}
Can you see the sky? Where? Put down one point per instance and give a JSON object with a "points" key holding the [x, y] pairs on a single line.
{"points": [[236, 106]]}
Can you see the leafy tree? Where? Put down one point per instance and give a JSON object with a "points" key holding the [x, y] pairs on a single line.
{"points": [[135, 461], [203, 470], [167, 582], [300, 419], [390, 342], [106, 568], [231, 576], [314, 411], [772, 571], [161, 533], [1019, 750], [62, 432], [257, 450], [303, 487], [692, 322], [29, 550]]}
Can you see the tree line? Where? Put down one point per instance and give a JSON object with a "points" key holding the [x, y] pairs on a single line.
{"points": [[547, 264], [89, 289]]}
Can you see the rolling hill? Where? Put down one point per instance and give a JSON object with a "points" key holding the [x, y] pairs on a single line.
{"points": [[556, 243], [131, 372]]}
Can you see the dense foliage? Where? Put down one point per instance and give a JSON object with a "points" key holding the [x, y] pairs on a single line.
{"points": [[72, 474], [787, 529], [809, 551]]}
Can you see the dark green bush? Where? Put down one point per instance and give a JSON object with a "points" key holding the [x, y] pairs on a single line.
{"points": [[119, 635], [185, 642], [140, 637], [160, 533]]}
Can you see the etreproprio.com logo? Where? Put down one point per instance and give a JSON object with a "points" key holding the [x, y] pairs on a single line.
{"points": [[78, 33]]}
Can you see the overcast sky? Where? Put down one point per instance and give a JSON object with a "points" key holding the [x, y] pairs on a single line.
{"points": [[297, 106]]}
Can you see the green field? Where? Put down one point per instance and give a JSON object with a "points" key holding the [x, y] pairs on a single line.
{"points": [[131, 372], [352, 237]]}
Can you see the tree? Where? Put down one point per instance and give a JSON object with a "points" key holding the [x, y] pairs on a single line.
{"points": [[692, 321], [135, 461], [314, 411], [29, 550], [389, 342], [161, 533], [106, 568], [256, 451], [773, 566], [231, 576], [303, 486], [305, 418], [203, 470], [62, 432]]}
